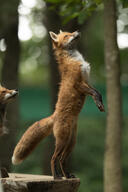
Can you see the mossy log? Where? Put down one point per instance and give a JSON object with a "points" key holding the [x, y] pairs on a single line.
{"points": [[38, 183]]}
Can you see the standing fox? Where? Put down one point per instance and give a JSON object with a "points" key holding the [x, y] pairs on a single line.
{"points": [[6, 96], [62, 123]]}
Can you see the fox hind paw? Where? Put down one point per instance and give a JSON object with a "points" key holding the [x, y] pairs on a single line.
{"points": [[70, 175]]}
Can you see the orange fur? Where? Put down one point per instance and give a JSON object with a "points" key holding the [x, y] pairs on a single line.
{"points": [[6, 96], [31, 138], [73, 90]]}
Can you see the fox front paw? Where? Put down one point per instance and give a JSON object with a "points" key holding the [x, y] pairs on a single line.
{"points": [[99, 102], [100, 106]]}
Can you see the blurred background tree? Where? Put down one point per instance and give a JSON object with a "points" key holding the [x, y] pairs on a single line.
{"points": [[9, 73], [38, 80], [112, 161]]}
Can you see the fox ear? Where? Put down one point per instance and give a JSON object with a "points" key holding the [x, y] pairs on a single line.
{"points": [[53, 36], [61, 31]]}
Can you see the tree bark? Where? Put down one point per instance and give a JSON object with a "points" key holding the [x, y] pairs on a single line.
{"points": [[39, 183], [112, 159], [10, 80]]}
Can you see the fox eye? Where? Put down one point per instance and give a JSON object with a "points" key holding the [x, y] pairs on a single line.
{"points": [[65, 36], [3, 91]]}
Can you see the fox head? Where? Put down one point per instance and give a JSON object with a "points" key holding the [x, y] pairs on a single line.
{"points": [[64, 40], [6, 96]]}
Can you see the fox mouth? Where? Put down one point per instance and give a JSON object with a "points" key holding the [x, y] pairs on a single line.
{"points": [[10, 96], [76, 37], [14, 94], [72, 41]]}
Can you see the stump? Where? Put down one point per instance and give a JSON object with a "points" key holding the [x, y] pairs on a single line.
{"points": [[38, 183]]}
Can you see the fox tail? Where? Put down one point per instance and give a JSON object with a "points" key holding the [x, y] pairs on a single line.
{"points": [[31, 138]]}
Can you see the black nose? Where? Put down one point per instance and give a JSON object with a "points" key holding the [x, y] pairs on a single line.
{"points": [[16, 90]]}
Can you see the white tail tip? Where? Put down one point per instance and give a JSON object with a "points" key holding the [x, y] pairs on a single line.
{"points": [[15, 161]]}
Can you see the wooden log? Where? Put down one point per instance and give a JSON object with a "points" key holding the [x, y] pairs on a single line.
{"points": [[38, 183]]}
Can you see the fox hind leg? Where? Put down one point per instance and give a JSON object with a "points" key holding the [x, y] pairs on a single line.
{"points": [[58, 150], [64, 136], [66, 153]]}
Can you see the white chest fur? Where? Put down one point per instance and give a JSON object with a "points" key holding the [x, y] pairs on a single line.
{"points": [[85, 66]]}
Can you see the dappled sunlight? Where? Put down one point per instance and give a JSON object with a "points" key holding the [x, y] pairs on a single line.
{"points": [[122, 22], [24, 33], [39, 31], [2, 45], [27, 28], [122, 40], [28, 66], [29, 4]]}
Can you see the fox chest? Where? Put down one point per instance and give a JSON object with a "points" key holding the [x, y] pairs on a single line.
{"points": [[84, 66], [85, 70]]}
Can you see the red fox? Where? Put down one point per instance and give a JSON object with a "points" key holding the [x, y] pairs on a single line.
{"points": [[6, 96], [73, 89]]}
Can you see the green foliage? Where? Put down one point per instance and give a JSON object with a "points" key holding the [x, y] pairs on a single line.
{"points": [[80, 9], [70, 9], [124, 3]]}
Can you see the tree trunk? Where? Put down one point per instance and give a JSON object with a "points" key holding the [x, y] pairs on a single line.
{"points": [[38, 183], [10, 80], [112, 159]]}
